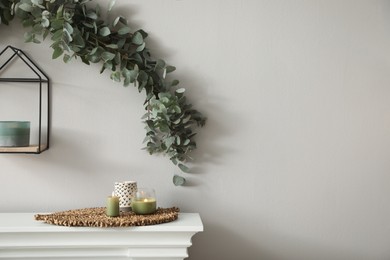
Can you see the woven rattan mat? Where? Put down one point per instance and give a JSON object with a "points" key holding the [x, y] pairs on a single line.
{"points": [[96, 217]]}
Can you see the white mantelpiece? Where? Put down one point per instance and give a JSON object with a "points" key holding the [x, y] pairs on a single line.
{"points": [[21, 237]]}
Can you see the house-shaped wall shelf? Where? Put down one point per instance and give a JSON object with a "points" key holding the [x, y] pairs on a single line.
{"points": [[25, 94]]}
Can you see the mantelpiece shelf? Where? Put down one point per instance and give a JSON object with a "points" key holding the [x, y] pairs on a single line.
{"points": [[28, 149], [21, 237]]}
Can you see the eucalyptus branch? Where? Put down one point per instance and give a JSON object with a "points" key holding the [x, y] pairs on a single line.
{"points": [[77, 30]]}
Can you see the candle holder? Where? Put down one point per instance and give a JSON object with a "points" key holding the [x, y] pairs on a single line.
{"points": [[125, 191], [14, 133], [144, 201]]}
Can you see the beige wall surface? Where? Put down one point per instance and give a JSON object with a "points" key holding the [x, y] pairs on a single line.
{"points": [[294, 162]]}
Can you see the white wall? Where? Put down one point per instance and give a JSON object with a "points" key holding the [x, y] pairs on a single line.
{"points": [[294, 161]]}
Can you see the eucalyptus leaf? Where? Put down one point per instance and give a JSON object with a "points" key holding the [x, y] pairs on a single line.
{"points": [[78, 41], [57, 53], [106, 56], [25, 7], [37, 12], [46, 14], [68, 27], [45, 22], [133, 74], [67, 37], [120, 19], [124, 30], [27, 23], [185, 120], [177, 109], [143, 33], [170, 69], [37, 28], [112, 46], [137, 38], [117, 58], [160, 64], [38, 3], [121, 43], [183, 168], [28, 37], [105, 31], [34, 40], [88, 25], [57, 24], [7, 17], [116, 76], [45, 34], [141, 47], [180, 90], [111, 5], [66, 58], [178, 180], [93, 51], [186, 142], [108, 65], [169, 141], [95, 29], [92, 15]]}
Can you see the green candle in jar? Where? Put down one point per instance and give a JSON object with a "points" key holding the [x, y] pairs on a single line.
{"points": [[144, 206], [144, 201], [112, 209]]}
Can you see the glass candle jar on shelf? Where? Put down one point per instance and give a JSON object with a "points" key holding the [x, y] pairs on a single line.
{"points": [[144, 201]]}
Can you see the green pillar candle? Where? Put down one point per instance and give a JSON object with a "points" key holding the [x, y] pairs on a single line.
{"points": [[144, 206], [112, 206]]}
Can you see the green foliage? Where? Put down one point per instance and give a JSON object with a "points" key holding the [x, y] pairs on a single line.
{"points": [[6, 14], [78, 31], [178, 180]]}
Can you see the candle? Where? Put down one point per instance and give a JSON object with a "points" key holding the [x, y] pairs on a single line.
{"points": [[144, 206], [112, 206], [14, 133], [125, 191], [144, 201]]}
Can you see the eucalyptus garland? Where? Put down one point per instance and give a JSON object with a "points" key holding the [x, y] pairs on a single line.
{"points": [[78, 30]]}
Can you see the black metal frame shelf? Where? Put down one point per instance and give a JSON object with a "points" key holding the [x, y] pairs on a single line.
{"points": [[22, 79], [44, 82]]}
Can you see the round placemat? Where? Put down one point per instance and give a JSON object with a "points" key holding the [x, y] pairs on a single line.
{"points": [[96, 217]]}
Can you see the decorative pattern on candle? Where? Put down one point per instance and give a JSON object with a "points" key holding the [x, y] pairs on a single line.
{"points": [[125, 191]]}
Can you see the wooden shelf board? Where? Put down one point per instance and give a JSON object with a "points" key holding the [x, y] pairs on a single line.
{"points": [[27, 149]]}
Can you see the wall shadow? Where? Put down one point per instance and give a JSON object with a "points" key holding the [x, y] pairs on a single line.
{"points": [[218, 242], [70, 150], [221, 242]]}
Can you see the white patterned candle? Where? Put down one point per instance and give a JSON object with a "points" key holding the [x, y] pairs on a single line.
{"points": [[125, 191]]}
